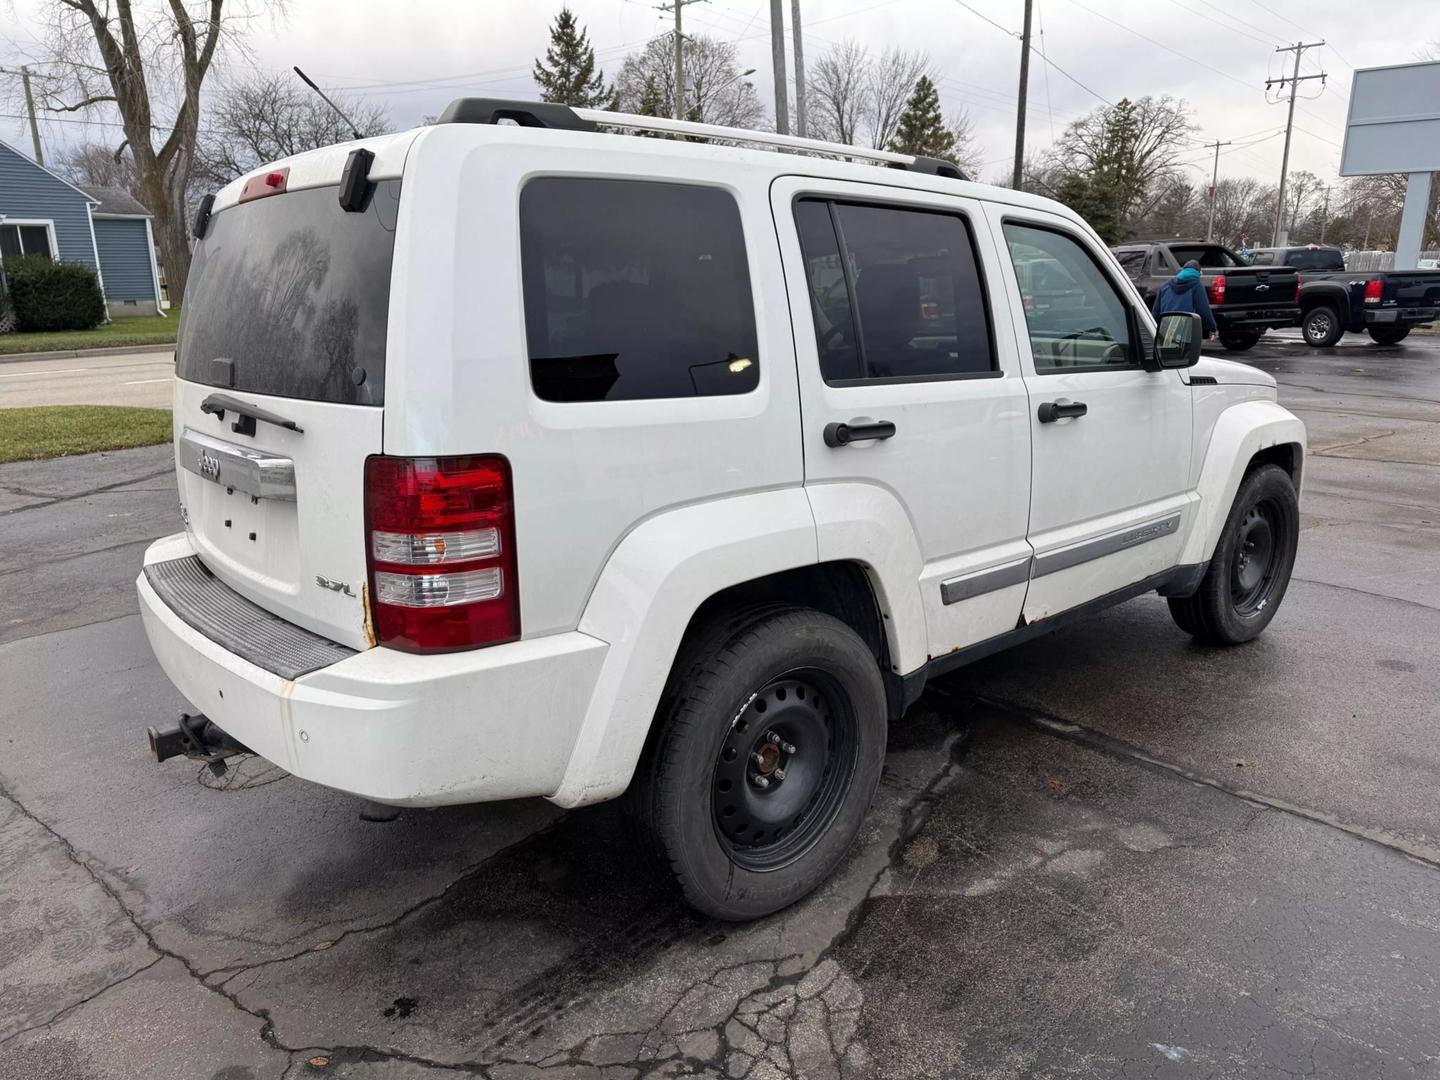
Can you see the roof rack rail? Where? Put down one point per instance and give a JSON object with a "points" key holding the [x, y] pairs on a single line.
{"points": [[563, 117]]}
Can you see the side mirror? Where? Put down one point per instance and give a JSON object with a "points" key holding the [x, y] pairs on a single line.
{"points": [[1177, 339]]}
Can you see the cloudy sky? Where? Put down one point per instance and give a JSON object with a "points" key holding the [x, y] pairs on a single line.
{"points": [[413, 57]]}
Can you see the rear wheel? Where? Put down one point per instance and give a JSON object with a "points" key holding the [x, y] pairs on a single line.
{"points": [[1250, 570], [1389, 335], [1321, 327], [1240, 340], [771, 743]]}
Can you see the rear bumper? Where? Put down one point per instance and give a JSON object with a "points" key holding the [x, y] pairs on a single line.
{"points": [[494, 723], [1400, 316], [1257, 318]]}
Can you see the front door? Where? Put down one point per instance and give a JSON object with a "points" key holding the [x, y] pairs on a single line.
{"points": [[914, 410], [1111, 494]]}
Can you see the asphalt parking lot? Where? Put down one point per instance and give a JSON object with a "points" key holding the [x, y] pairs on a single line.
{"points": [[1109, 853]]}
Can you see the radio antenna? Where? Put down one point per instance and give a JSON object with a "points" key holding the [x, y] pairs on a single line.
{"points": [[349, 123]]}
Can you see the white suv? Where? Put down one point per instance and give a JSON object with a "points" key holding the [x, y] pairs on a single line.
{"points": [[538, 459]]}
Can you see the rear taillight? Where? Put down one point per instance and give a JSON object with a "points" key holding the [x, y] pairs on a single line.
{"points": [[1297, 288], [1374, 290], [440, 539], [1217, 289]]}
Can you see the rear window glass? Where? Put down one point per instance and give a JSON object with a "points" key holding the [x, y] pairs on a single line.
{"points": [[290, 295], [635, 289], [1323, 259], [1207, 255]]}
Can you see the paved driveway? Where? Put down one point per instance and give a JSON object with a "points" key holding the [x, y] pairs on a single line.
{"points": [[132, 379], [1108, 853]]}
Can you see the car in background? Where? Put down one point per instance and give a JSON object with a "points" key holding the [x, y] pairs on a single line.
{"points": [[1386, 304], [1245, 300]]}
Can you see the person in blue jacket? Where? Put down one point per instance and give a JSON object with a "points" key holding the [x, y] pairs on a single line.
{"points": [[1186, 292]]}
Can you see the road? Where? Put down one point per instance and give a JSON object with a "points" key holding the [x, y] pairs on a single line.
{"points": [[1110, 852], [132, 379]]}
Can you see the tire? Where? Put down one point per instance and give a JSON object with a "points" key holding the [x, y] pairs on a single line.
{"points": [[1244, 585], [1389, 335], [809, 680], [1239, 341], [1321, 326]]}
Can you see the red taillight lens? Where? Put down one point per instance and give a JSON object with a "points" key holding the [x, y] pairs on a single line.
{"points": [[1374, 291], [1217, 289], [440, 538], [1297, 288]]}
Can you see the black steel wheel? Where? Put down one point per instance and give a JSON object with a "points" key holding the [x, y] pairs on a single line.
{"points": [[1250, 569], [1389, 335], [783, 770], [1240, 340], [1321, 327], [767, 753]]}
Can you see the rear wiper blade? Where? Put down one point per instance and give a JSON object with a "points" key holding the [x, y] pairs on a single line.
{"points": [[245, 414]]}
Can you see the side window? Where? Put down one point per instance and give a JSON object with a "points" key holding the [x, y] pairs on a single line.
{"points": [[635, 289], [1133, 263], [895, 293], [1263, 258], [1076, 317]]}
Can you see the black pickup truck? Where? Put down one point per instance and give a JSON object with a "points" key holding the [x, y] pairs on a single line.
{"points": [[1385, 303], [1245, 300]]}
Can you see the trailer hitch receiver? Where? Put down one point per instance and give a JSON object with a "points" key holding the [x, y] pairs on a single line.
{"points": [[195, 736]]}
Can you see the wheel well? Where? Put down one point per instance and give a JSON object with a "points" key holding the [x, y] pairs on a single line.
{"points": [[840, 589], [1287, 455], [1314, 300]]}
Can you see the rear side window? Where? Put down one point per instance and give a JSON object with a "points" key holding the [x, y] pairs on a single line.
{"points": [[895, 293], [1132, 262], [290, 295], [1263, 258], [635, 289]]}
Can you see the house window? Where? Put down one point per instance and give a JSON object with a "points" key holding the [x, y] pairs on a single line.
{"points": [[25, 240]]}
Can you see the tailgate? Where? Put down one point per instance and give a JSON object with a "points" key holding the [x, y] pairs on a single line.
{"points": [[1412, 288], [1256, 287], [281, 366]]}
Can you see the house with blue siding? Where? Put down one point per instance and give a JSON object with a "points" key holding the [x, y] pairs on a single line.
{"points": [[104, 228]]}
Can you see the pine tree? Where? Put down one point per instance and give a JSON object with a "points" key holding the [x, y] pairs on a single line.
{"points": [[567, 75], [922, 129]]}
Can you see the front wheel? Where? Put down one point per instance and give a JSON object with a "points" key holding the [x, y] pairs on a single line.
{"points": [[1389, 335], [1250, 570], [1321, 327], [1240, 340], [770, 746]]}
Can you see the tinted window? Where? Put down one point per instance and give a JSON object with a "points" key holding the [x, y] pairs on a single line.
{"points": [[895, 293], [635, 290], [1209, 256], [1132, 262], [1263, 258], [1320, 259], [290, 295], [1076, 317]]}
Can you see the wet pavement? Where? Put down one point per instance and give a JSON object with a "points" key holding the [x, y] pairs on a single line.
{"points": [[1109, 853]]}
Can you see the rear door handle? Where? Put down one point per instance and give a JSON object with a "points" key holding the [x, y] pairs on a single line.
{"points": [[1050, 411], [839, 434]]}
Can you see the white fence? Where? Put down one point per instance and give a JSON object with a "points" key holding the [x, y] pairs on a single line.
{"points": [[1382, 260]]}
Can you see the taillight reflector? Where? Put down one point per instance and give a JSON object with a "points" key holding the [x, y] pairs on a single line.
{"points": [[440, 537], [1217, 289], [1374, 290]]}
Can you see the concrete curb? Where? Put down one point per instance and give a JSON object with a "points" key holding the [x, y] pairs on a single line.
{"points": [[73, 354]]}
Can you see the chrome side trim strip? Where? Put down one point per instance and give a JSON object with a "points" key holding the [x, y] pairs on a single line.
{"points": [[257, 473], [1101, 546], [963, 588]]}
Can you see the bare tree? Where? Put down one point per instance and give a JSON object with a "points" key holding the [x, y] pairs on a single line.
{"points": [[1239, 208], [889, 82], [837, 90], [967, 152], [98, 166], [261, 119], [715, 91], [1299, 192], [145, 64]]}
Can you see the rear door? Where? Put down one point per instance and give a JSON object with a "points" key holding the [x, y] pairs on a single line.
{"points": [[896, 338], [281, 369]]}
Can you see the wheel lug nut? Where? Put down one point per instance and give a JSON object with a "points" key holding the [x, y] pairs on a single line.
{"points": [[779, 774], [758, 758], [760, 781], [789, 748], [770, 736]]}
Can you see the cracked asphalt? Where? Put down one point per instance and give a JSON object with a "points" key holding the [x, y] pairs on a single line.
{"points": [[1109, 853]]}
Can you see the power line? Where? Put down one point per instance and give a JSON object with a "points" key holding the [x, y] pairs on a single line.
{"points": [[1050, 62]]}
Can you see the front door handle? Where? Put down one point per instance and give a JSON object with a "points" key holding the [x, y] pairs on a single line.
{"points": [[838, 434], [1050, 411]]}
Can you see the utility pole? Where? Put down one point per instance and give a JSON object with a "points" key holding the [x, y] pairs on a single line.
{"points": [[1020, 109], [24, 73], [800, 127], [1294, 80], [1214, 190], [678, 112], [1325, 214], [777, 57]]}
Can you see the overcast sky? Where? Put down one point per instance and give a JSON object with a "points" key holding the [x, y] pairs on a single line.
{"points": [[415, 56]]}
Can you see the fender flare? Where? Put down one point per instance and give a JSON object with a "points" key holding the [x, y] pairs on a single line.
{"points": [[1240, 432], [1318, 292]]}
